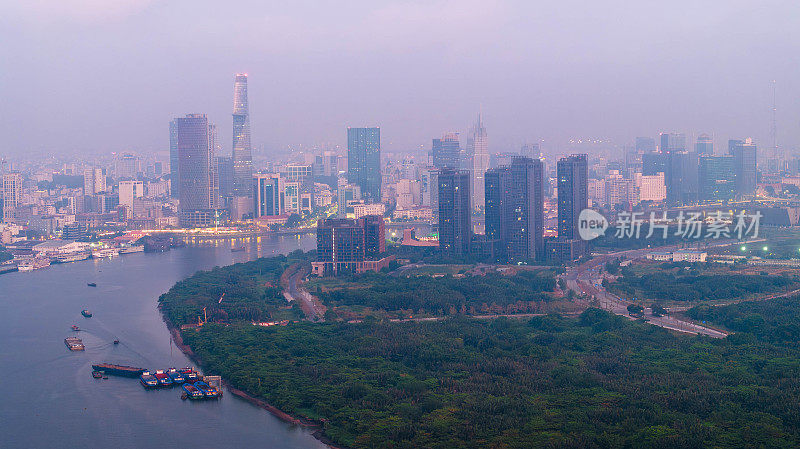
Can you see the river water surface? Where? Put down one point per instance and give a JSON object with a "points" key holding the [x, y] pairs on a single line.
{"points": [[48, 398]]}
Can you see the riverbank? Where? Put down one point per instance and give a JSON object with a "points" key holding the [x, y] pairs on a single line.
{"points": [[315, 428]]}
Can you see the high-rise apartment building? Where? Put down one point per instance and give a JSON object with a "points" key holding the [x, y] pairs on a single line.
{"points": [[515, 209], [478, 150], [364, 161], [573, 196], [128, 192], [744, 154], [11, 194], [197, 169], [242, 151], [445, 151], [455, 211], [94, 181]]}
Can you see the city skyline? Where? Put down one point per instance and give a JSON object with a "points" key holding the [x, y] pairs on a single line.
{"points": [[528, 94]]}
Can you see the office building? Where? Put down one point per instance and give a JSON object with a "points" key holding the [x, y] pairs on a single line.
{"points": [[197, 169], [478, 150], [374, 235], [242, 151], [651, 187], [226, 176], [682, 177], [455, 211], [268, 195], [672, 142], [744, 165], [717, 178], [94, 181], [126, 166], [364, 161], [653, 163], [515, 209], [445, 152]]}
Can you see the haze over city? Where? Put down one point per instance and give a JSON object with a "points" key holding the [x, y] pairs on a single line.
{"points": [[89, 77]]}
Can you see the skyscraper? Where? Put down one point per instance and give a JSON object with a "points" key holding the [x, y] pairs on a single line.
{"points": [[374, 235], [717, 178], [364, 161], [11, 189], [445, 151], [515, 209], [198, 182], [672, 142], [268, 195], [173, 160], [645, 144], [573, 193], [478, 149], [682, 177], [704, 145], [242, 152], [455, 211], [744, 164]]}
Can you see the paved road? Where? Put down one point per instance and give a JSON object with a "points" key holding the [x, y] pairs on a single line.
{"points": [[586, 281], [313, 309]]}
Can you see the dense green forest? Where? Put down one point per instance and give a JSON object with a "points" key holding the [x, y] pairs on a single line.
{"points": [[524, 292], [252, 293], [674, 283], [776, 321], [596, 381]]}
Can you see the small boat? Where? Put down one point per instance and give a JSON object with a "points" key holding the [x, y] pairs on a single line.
{"points": [[119, 370], [208, 391], [163, 379], [116, 342], [176, 376], [237, 249], [92, 284], [87, 313], [192, 392], [97, 374], [148, 380], [74, 344], [75, 328]]}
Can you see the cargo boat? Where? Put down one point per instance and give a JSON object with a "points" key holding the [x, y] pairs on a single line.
{"points": [[189, 374], [148, 380], [119, 370], [87, 313], [163, 379], [74, 344], [176, 376], [192, 392], [92, 284], [208, 391]]}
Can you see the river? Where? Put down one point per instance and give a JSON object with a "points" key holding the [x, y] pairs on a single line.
{"points": [[49, 398]]}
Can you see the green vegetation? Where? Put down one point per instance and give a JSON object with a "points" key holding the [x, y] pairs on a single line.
{"points": [[524, 292], [597, 381], [776, 321], [695, 282], [252, 293]]}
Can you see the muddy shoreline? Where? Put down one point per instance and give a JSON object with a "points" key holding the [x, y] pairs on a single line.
{"points": [[313, 426]]}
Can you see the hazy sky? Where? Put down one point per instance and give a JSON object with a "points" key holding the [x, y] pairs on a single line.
{"points": [[106, 75]]}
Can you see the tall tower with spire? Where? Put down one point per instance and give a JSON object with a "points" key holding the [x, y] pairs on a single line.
{"points": [[242, 152], [478, 149]]}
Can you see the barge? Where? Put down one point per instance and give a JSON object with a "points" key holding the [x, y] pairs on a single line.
{"points": [[118, 370]]}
